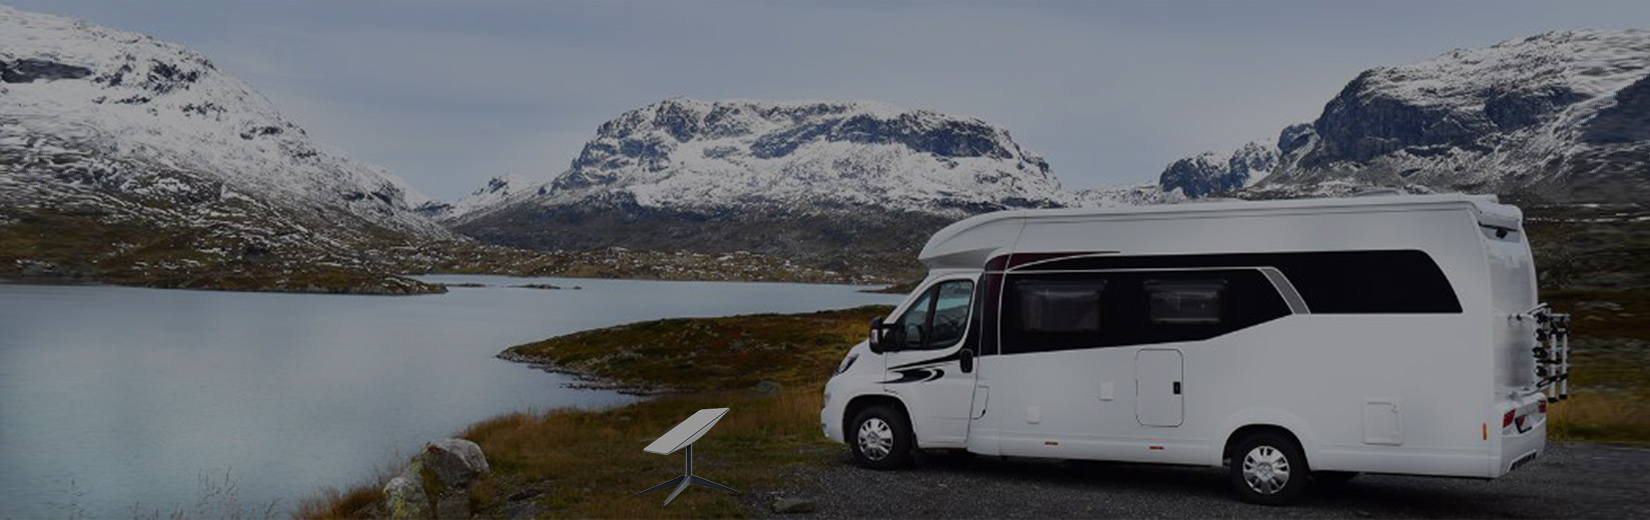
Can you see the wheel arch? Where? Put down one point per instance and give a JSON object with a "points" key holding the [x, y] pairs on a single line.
{"points": [[863, 401], [1250, 421]]}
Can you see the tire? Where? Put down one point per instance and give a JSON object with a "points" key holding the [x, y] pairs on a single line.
{"points": [[1269, 468], [1332, 478], [880, 438]]}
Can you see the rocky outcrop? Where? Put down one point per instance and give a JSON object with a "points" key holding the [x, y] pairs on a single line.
{"points": [[1212, 173], [405, 496], [455, 462], [433, 484]]}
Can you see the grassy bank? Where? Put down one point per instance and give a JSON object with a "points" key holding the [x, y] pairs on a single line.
{"points": [[707, 354], [579, 464]]}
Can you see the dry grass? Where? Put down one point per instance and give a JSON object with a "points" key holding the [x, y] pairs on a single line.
{"points": [[589, 464], [1600, 416], [1609, 395], [331, 502], [350, 502]]}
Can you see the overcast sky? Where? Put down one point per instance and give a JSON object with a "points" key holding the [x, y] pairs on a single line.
{"points": [[447, 94]]}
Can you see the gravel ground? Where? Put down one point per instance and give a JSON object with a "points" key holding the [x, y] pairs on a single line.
{"points": [[1569, 481]]}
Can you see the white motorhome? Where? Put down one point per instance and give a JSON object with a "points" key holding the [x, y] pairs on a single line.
{"points": [[1289, 340]]}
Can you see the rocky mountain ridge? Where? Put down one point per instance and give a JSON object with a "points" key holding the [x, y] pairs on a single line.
{"points": [[1558, 117], [850, 186]]}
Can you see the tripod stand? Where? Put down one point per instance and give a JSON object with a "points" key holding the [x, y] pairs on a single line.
{"points": [[687, 479]]}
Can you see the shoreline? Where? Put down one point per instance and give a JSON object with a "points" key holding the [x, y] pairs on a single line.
{"points": [[437, 287], [587, 380]]}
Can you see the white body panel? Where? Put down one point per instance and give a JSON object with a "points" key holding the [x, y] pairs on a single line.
{"points": [[1390, 392]]}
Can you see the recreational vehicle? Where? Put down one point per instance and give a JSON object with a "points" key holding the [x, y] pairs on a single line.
{"points": [[1289, 341]]}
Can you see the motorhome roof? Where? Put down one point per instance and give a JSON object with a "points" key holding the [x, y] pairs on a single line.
{"points": [[945, 250]]}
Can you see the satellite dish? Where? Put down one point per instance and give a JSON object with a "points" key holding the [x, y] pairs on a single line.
{"points": [[682, 436]]}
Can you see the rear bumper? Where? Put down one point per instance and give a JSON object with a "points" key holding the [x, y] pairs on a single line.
{"points": [[1521, 447]]}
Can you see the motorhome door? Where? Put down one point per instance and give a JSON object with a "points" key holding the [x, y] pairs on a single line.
{"points": [[929, 366], [1158, 392]]}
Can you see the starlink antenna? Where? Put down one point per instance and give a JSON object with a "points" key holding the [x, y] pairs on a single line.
{"points": [[682, 436]]}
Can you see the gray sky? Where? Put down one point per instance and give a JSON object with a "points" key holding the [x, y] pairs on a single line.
{"points": [[449, 93]]}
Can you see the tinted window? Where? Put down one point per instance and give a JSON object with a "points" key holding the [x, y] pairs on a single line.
{"points": [[1331, 282], [1045, 312], [911, 325], [950, 321], [1372, 282], [1186, 302], [939, 318], [1071, 306]]}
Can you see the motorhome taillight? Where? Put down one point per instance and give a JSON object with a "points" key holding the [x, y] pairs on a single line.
{"points": [[1507, 420], [1541, 407]]}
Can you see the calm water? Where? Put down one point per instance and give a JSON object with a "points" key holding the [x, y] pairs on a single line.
{"points": [[112, 397]]}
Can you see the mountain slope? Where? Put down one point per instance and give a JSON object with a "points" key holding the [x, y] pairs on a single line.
{"points": [[842, 185], [188, 176], [1558, 116]]}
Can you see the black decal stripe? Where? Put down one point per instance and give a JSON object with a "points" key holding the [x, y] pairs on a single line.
{"points": [[914, 376], [954, 356]]}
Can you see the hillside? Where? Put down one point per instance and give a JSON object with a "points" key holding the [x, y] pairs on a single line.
{"points": [[130, 160]]}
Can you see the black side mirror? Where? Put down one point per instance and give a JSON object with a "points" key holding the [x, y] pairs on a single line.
{"points": [[965, 358], [877, 329]]}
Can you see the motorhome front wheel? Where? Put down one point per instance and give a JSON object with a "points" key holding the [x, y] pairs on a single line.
{"points": [[881, 438]]}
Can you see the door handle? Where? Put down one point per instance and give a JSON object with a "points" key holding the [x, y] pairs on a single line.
{"points": [[1176, 388]]}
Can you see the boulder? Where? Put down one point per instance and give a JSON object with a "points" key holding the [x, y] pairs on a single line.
{"points": [[455, 462], [404, 495]]}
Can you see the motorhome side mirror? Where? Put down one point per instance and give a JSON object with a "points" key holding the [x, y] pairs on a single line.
{"points": [[876, 335], [965, 357]]}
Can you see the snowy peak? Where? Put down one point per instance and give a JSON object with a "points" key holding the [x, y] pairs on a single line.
{"points": [[1549, 116], [1211, 173], [843, 186], [1454, 100], [685, 153], [497, 190], [128, 96]]}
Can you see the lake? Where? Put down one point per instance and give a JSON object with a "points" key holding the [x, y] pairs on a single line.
{"points": [[116, 401]]}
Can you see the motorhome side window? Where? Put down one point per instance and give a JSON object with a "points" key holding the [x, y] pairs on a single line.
{"points": [[950, 321], [939, 318], [1055, 314], [1184, 302], [911, 325]]}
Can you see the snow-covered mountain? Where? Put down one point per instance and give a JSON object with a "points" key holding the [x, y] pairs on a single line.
{"points": [[497, 190], [113, 130], [1559, 116], [711, 156], [1211, 173], [797, 179], [1135, 195]]}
